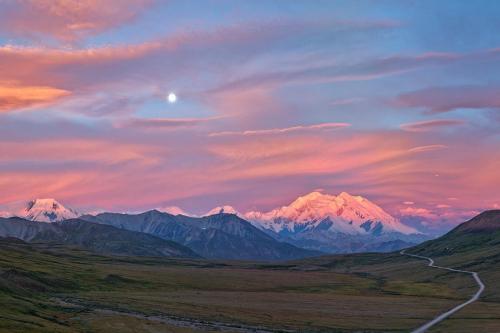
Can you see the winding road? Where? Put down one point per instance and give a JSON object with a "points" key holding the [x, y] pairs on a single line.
{"points": [[445, 315]]}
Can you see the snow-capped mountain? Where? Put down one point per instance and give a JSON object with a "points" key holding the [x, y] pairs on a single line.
{"points": [[335, 223], [226, 209], [343, 213], [46, 210], [174, 210]]}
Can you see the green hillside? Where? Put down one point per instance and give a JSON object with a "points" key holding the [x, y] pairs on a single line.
{"points": [[472, 238]]}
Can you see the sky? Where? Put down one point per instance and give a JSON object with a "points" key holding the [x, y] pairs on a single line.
{"points": [[397, 101]]}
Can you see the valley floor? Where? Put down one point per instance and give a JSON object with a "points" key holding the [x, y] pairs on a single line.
{"points": [[54, 289]]}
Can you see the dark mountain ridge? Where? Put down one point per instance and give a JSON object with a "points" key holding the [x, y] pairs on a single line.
{"points": [[95, 237], [219, 236]]}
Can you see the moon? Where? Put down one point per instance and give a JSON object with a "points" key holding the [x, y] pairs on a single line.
{"points": [[172, 98]]}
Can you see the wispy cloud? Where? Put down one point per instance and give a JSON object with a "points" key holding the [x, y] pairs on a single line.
{"points": [[361, 71], [423, 149], [445, 99], [321, 127], [165, 123], [429, 125]]}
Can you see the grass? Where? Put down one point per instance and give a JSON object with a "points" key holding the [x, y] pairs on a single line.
{"points": [[354, 293]]}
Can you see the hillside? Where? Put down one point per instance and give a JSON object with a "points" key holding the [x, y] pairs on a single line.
{"points": [[94, 237], [480, 234]]}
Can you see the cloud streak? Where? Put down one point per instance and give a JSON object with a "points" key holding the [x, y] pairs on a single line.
{"points": [[166, 123], [430, 125], [428, 148], [446, 99], [273, 131]]}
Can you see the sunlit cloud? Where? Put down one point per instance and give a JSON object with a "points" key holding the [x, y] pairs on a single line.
{"points": [[13, 97], [423, 149], [429, 125], [66, 20], [281, 105], [443, 206]]}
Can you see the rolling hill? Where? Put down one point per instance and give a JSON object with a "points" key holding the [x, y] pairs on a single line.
{"points": [[478, 235]]}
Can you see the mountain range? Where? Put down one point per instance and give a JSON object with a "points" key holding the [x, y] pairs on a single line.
{"points": [[153, 233], [336, 224], [94, 237], [218, 236], [311, 224]]}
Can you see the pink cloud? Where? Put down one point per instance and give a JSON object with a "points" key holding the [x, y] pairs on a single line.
{"points": [[375, 164], [14, 97], [67, 20], [429, 125], [420, 212], [423, 149], [104, 151], [441, 206], [232, 162]]}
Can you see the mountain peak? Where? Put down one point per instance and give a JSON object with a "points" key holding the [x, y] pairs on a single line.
{"points": [[346, 196], [349, 214], [173, 210], [48, 203], [226, 209], [316, 196], [313, 195], [47, 210]]}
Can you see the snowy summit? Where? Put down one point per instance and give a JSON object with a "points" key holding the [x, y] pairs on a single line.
{"points": [[46, 210], [341, 213]]}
